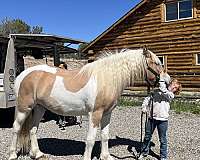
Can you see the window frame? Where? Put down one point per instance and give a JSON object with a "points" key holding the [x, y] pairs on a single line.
{"points": [[163, 57], [165, 8], [198, 54]]}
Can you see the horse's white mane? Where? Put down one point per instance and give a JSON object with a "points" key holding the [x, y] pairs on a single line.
{"points": [[107, 53], [117, 70]]}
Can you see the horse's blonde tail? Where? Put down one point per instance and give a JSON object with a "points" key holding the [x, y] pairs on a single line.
{"points": [[24, 136]]}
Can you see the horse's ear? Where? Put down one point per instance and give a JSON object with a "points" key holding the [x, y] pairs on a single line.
{"points": [[146, 53]]}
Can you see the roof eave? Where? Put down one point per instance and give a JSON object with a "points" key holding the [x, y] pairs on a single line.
{"points": [[63, 39]]}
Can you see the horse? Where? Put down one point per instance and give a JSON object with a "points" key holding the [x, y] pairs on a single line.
{"points": [[92, 90]]}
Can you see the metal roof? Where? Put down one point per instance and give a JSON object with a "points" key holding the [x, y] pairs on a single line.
{"points": [[48, 38], [39, 40], [42, 41]]}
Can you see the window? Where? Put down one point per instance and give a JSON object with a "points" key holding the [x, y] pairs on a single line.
{"points": [[162, 60], [198, 59], [177, 10]]}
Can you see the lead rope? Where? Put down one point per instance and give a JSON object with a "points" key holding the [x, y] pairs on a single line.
{"points": [[146, 120], [151, 111], [80, 121], [141, 132]]}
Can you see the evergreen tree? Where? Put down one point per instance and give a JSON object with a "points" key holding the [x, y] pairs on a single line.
{"points": [[15, 26], [36, 30]]}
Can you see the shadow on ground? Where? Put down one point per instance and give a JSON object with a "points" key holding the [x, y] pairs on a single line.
{"points": [[72, 147], [7, 117]]}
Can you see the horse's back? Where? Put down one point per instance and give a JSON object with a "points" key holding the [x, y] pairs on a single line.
{"points": [[30, 71]]}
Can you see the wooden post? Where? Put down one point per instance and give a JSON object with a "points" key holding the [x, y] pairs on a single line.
{"points": [[56, 56], [9, 74]]}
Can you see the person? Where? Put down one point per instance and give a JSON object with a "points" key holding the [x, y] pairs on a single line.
{"points": [[20, 63], [63, 65], [64, 120], [159, 105], [61, 119]]}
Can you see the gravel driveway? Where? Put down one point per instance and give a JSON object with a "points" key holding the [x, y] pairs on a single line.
{"points": [[184, 137]]}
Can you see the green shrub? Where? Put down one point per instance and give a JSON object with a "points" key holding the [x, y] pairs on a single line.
{"points": [[124, 102], [178, 105], [185, 106]]}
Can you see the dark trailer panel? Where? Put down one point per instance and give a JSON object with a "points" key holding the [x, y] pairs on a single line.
{"points": [[37, 45]]}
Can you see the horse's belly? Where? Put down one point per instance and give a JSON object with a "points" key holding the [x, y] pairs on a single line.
{"points": [[77, 107], [66, 107]]}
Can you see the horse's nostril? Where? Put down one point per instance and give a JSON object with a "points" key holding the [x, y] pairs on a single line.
{"points": [[151, 78]]}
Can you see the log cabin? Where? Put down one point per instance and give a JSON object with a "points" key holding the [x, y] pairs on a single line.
{"points": [[170, 28]]}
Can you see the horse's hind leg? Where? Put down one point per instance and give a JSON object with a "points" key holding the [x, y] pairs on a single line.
{"points": [[20, 117], [37, 116], [105, 121]]}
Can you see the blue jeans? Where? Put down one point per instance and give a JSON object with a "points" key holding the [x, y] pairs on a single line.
{"points": [[162, 127]]}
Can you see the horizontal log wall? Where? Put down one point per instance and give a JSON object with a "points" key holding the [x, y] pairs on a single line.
{"points": [[178, 41]]}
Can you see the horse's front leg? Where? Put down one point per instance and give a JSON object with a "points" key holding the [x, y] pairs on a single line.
{"points": [[94, 121], [105, 155]]}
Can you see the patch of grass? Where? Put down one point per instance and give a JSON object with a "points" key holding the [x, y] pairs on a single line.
{"points": [[178, 105], [185, 106], [129, 102]]}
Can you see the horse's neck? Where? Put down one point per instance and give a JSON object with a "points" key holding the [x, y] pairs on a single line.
{"points": [[137, 67], [121, 71]]}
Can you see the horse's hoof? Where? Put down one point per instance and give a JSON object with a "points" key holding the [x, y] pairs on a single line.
{"points": [[13, 157], [109, 157], [43, 157]]}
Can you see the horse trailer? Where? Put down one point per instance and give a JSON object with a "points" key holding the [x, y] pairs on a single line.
{"points": [[9, 60]]}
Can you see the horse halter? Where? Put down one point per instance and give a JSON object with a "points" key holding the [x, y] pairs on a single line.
{"points": [[154, 72]]}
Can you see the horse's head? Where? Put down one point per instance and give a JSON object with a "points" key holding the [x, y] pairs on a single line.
{"points": [[154, 67]]}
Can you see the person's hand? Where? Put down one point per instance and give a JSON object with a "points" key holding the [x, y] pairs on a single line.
{"points": [[162, 74], [165, 77], [144, 110]]}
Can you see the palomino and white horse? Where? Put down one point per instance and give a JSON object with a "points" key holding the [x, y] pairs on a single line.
{"points": [[92, 90]]}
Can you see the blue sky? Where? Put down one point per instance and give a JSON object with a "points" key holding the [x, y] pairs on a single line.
{"points": [[79, 19]]}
